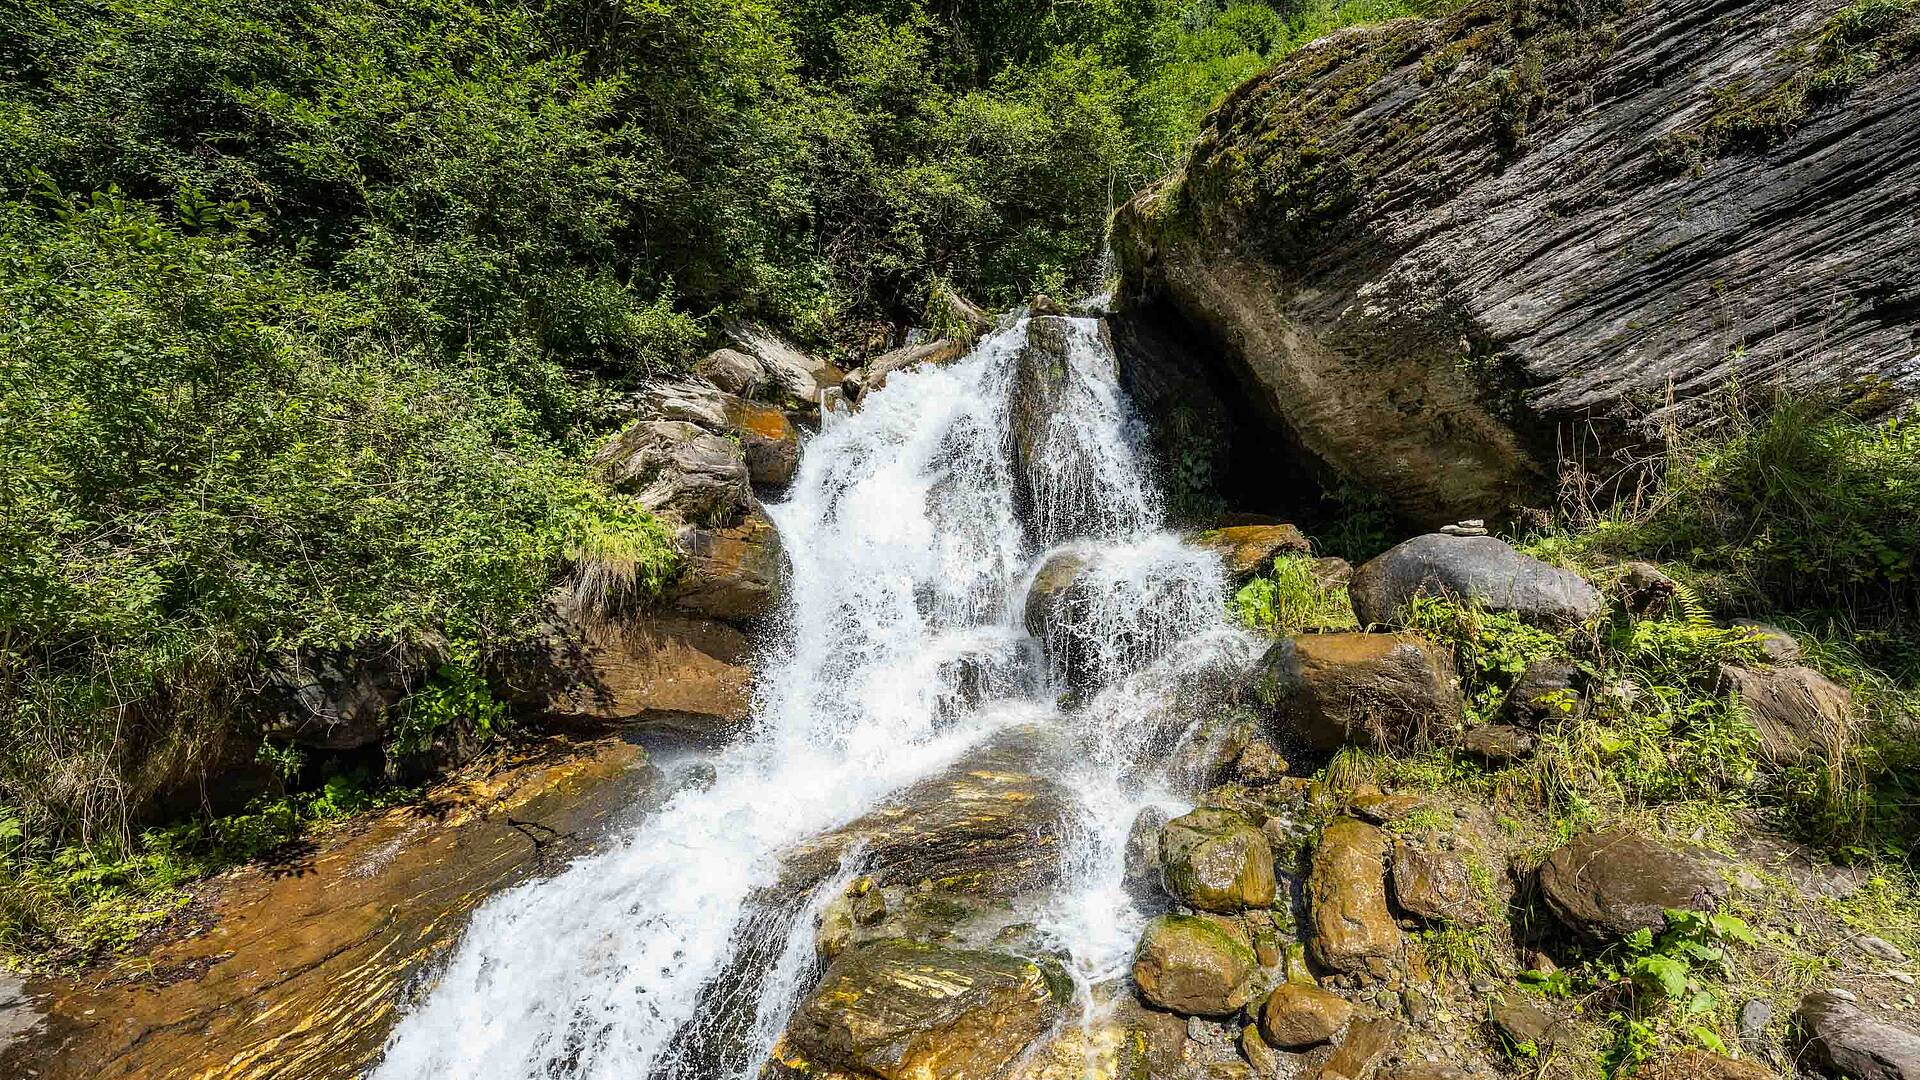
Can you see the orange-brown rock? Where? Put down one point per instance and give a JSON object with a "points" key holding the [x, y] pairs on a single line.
{"points": [[295, 969], [656, 669], [1353, 929], [1374, 690], [1248, 550]]}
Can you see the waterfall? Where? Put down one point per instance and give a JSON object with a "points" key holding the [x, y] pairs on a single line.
{"points": [[902, 647]]}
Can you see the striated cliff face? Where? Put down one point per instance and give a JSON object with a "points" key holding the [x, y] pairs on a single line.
{"points": [[1442, 253]]}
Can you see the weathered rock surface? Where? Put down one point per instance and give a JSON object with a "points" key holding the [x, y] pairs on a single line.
{"points": [[678, 470], [1216, 860], [297, 968], [661, 670], [901, 1010], [1373, 690], [1425, 244], [1797, 710], [1248, 550], [768, 441], [730, 573], [1142, 867], [1040, 379], [1193, 966], [1498, 744], [1778, 646], [790, 373], [1367, 1043], [338, 701], [1606, 885], [908, 357], [1483, 569], [732, 371], [1844, 1040], [1436, 884], [1524, 1025], [1353, 929], [1295, 1016]]}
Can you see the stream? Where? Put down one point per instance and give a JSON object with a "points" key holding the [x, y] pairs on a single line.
{"points": [[913, 542]]}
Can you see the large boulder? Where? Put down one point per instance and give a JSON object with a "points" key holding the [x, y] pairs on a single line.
{"points": [[1374, 690], [1353, 928], [1797, 710], [1217, 860], [730, 573], [657, 670], [1194, 966], [900, 1010], [1482, 569], [908, 357], [1436, 250], [1843, 1040], [1248, 550], [1605, 885], [678, 470], [732, 371]]}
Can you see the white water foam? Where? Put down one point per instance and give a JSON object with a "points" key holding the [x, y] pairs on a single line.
{"points": [[661, 957]]}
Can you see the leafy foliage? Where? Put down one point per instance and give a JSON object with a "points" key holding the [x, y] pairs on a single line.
{"points": [[1292, 598]]}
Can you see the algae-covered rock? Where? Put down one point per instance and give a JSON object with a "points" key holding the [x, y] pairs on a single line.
{"points": [[1194, 966], [1217, 860]]}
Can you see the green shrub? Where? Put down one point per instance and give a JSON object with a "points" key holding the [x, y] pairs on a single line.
{"points": [[206, 459], [1292, 598]]}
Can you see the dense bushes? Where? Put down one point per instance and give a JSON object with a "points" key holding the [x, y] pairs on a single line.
{"points": [[206, 458]]}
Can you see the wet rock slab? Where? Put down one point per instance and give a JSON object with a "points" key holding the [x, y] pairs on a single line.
{"points": [[296, 970], [987, 826]]}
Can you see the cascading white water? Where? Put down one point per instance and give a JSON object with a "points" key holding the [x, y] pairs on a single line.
{"points": [[660, 956]]}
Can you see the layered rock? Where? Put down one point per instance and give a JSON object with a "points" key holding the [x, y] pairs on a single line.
{"points": [[1373, 690], [1423, 245], [1796, 710], [662, 671], [989, 826], [1844, 1040], [1479, 569]]}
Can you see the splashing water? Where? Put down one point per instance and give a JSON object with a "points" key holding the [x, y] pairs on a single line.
{"points": [[666, 955]]}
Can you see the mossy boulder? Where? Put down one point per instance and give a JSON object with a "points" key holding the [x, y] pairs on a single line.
{"points": [[1217, 860], [1194, 966]]}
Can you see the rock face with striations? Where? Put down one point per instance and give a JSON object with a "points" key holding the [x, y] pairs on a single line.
{"points": [[1427, 247]]}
